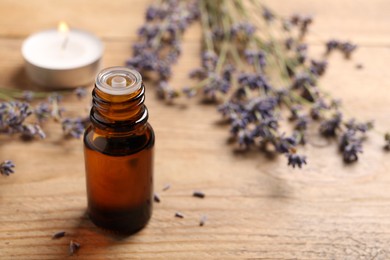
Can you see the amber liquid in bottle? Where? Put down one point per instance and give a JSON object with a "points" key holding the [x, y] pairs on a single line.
{"points": [[118, 150]]}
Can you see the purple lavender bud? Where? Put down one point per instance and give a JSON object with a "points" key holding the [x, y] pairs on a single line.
{"points": [[238, 125], [284, 144], [243, 29], [302, 80], [302, 123], [350, 146], [287, 25], [29, 131], [302, 52], [6, 167], [165, 91], [331, 45], [164, 70], [74, 127], [80, 93], [329, 127], [295, 19], [209, 60], [189, 92], [42, 111], [198, 73], [305, 22], [318, 68], [268, 15], [347, 48], [28, 95], [295, 109], [289, 43], [264, 106], [218, 34], [361, 127], [151, 13], [227, 72], [245, 139], [296, 160]]}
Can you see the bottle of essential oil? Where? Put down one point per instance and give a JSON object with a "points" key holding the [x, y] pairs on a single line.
{"points": [[118, 150]]}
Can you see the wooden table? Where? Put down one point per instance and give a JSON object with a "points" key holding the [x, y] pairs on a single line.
{"points": [[256, 207]]}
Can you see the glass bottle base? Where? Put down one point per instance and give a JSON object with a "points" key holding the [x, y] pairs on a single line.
{"points": [[126, 222]]}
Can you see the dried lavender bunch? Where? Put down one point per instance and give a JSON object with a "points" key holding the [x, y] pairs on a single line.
{"points": [[255, 76], [160, 40], [23, 119]]}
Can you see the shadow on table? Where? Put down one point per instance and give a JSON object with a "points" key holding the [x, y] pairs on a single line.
{"points": [[86, 225]]}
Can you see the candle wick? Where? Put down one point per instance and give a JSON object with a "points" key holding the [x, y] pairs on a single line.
{"points": [[64, 43]]}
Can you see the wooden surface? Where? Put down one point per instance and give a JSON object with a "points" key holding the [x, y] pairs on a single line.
{"points": [[256, 207]]}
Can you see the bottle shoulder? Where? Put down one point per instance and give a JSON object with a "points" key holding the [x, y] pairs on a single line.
{"points": [[114, 144]]}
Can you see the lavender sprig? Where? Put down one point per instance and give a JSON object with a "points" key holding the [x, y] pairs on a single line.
{"points": [[254, 75], [160, 37]]}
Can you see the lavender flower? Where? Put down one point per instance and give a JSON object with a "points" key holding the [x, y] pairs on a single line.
{"points": [[329, 127], [332, 45], [318, 68], [159, 45], [361, 127], [242, 30], [12, 120], [42, 111], [80, 93], [28, 95], [74, 127], [6, 168], [350, 146], [347, 48], [296, 160], [268, 15], [29, 131], [285, 144], [165, 91], [255, 56], [209, 60]]}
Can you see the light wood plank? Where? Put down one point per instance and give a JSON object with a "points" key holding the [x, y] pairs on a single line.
{"points": [[256, 207]]}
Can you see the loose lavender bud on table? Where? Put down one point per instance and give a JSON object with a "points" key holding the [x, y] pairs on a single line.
{"points": [[58, 235], [198, 194], [329, 127], [73, 247], [156, 198], [296, 160], [166, 187], [6, 167], [332, 45], [202, 220], [347, 48], [80, 93], [74, 127], [179, 215]]}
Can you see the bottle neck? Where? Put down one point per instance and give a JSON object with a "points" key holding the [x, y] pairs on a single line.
{"points": [[118, 113]]}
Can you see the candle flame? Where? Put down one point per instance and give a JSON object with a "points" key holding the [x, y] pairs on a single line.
{"points": [[63, 27]]}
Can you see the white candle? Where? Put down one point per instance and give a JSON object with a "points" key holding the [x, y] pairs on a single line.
{"points": [[67, 58]]}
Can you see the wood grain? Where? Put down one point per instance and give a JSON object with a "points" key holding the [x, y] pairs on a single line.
{"points": [[256, 207]]}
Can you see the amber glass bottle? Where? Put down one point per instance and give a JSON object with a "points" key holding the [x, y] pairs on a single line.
{"points": [[118, 150]]}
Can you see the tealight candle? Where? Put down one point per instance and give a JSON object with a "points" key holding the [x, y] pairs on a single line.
{"points": [[62, 58]]}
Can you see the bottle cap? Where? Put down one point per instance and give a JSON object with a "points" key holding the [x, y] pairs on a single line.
{"points": [[118, 81]]}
